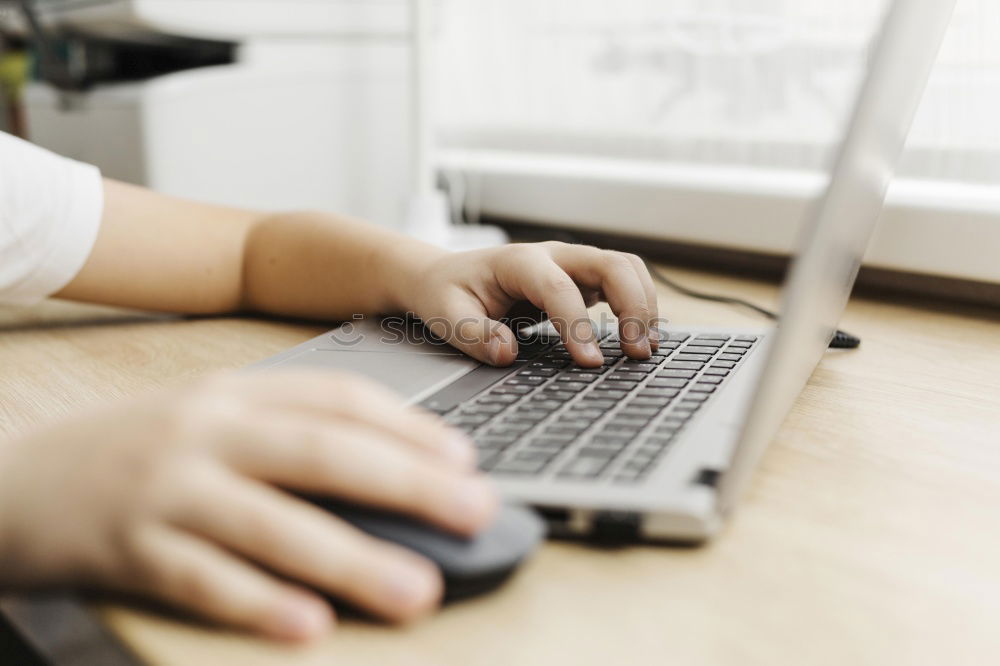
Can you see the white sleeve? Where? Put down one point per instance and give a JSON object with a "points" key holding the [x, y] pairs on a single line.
{"points": [[50, 212]]}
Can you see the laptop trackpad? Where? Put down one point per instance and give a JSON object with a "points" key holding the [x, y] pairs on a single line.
{"points": [[412, 375]]}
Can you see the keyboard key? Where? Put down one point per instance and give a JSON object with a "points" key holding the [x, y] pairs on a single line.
{"points": [[534, 454], [606, 393], [693, 401], [657, 392], [634, 366], [666, 382], [611, 440], [729, 357], [572, 421], [494, 443], [498, 398], [746, 338], [676, 336], [717, 372], [482, 408], [635, 466], [650, 401], [611, 385], [724, 364], [740, 344], [573, 386], [586, 377], [511, 390], [597, 452], [712, 336], [549, 363], [524, 381], [692, 357], [703, 388], [461, 420], [678, 374], [552, 442], [540, 403], [639, 411], [531, 418], [626, 420], [684, 365], [511, 466], [589, 402], [610, 448], [585, 414], [587, 371], [648, 451], [620, 429], [612, 352], [691, 349], [565, 429], [488, 460], [584, 467], [626, 377], [538, 372], [553, 394], [504, 427], [709, 379], [713, 344], [734, 350]]}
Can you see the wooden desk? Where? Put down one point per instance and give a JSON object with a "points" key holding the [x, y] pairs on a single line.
{"points": [[870, 535]]}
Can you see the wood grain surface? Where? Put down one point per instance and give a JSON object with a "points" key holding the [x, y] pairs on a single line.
{"points": [[870, 535]]}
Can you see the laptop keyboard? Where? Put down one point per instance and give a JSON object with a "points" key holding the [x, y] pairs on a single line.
{"points": [[614, 423]]}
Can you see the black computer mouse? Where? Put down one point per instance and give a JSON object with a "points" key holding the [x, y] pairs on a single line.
{"points": [[469, 566]]}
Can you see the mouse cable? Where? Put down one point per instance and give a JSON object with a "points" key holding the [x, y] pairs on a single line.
{"points": [[841, 339]]}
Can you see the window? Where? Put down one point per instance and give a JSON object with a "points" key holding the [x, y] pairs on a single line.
{"points": [[698, 93]]}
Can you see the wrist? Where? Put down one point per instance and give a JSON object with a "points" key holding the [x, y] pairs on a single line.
{"points": [[402, 262]]}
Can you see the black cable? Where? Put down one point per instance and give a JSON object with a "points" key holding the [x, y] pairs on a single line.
{"points": [[841, 339]]}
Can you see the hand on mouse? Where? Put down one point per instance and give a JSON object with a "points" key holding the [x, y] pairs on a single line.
{"points": [[463, 296], [177, 497]]}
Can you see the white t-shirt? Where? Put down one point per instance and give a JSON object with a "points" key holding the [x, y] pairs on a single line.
{"points": [[50, 211]]}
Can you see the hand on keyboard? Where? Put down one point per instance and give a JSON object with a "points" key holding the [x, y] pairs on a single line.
{"points": [[464, 297]]}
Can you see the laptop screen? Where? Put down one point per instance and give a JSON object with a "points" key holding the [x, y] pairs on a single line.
{"points": [[823, 273]]}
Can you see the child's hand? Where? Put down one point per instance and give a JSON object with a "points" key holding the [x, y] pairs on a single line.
{"points": [[461, 297], [176, 497]]}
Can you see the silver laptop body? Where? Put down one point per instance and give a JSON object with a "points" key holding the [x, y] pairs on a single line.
{"points": [[671, 479]]}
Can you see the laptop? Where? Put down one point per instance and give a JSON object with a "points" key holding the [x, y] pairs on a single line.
{"points": [[662, 449]]}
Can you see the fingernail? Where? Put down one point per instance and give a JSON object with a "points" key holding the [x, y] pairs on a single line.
{"points": [[594, 353], [459, 449], [412, 584], [654, 338], [475, 501], [493, 350], [301, 618]]}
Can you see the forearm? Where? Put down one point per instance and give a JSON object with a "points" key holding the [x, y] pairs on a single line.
{"points": [[320, 266], [155, 252]]}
